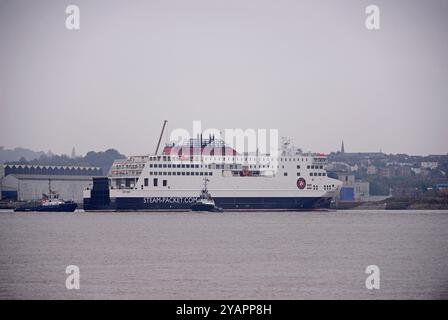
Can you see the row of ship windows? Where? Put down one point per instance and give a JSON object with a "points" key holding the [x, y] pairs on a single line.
{"points": [[216, 166], [221, 166], [312, 174], [182, 173], [197, 173], [315, 174], [129, 166], [312, 167], [318, 174], [155, 183], [179, 166], [327, 187], [239, 159], [235, 159]]}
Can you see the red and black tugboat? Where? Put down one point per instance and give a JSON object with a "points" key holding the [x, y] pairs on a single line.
{"points": [[48, 203]]}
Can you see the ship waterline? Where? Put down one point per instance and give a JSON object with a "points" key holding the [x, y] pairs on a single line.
{"points": [[229, 203]]}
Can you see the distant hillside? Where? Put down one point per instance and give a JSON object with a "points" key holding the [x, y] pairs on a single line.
{"points": [[103, 159], [18, 153]]}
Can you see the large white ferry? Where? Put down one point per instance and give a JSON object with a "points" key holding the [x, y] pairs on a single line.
{"points": [[292, 180]]}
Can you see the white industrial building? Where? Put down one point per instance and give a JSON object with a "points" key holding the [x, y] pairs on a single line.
{"points": [[29, 182]]}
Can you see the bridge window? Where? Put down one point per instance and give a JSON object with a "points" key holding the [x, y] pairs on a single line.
{"points": [[146, 182], [155, 182]]}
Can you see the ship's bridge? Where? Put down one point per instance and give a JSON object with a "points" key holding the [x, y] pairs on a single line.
{"points": [[320, 158]]}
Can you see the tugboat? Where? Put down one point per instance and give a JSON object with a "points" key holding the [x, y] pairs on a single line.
{"points": [[48, 203], [205, 201]]}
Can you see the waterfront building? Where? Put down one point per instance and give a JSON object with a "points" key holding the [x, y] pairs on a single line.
{"points": [[25, 182]]}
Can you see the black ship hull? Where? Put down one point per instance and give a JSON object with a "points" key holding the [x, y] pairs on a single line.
{"points": [[65, 207], [228, 203]]}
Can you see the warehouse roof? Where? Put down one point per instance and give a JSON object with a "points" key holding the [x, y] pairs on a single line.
{"points": [[50, 177], [51, 170]]}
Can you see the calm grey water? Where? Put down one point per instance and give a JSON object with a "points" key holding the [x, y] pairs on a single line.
{"points": [[265, 255]]}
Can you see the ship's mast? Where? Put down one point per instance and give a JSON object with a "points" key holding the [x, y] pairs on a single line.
{"points": [[205, 184], [161, 134]]}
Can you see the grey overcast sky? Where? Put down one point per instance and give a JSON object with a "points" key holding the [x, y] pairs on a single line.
{"points": [[309, 68]]}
